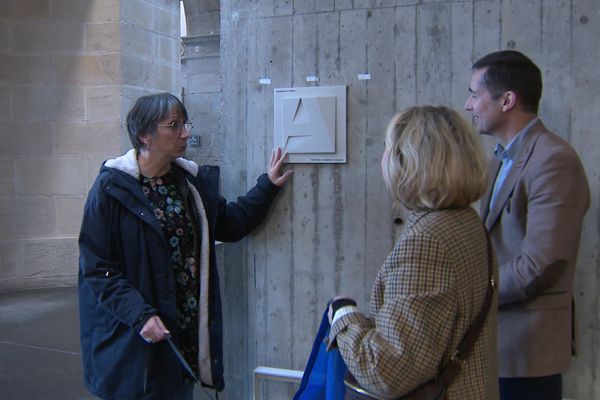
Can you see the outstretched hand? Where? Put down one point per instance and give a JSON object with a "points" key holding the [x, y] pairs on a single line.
{"points": [[275, 173]]}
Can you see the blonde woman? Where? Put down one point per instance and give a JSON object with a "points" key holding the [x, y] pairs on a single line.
{"points": [[433, 283]]}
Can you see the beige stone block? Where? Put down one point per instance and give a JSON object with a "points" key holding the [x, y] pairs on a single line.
{"points": [[25, 139], [27, 217], [5, 104], [93, 69], [87, 138], [69, 211], [166, 22], [50, 257], [166, 78], [45, 38], [48, 103], [103, 38], [86, 11], [92, 168], [103, 103], [132, 93], [167, 49], [30, 10], [137, 40], [50, 177], [9, 260], [129, 95], [136, 71], [7, 177], [137, 12], [24, 69]]}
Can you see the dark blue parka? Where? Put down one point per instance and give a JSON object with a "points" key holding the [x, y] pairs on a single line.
{"points": [[125, 276]]}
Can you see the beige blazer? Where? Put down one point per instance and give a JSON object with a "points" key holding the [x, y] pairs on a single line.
{"points": [[535, 221], [424, 298]]}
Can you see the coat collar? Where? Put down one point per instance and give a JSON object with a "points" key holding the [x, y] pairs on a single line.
{"points": [[490, 216], [414, 216], [127, 163]]}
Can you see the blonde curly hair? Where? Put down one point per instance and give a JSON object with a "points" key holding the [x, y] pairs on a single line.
{"points": [[433, 159]]}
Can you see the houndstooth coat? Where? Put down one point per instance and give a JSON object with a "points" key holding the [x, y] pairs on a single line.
{"points": [[424, 298]]}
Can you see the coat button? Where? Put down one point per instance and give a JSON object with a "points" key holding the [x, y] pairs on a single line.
{"points": [[142, 213]]}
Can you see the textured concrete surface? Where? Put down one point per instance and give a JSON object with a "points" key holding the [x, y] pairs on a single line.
{"points": [[331, 227]]}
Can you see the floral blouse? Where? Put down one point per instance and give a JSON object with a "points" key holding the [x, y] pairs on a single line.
{"points": [[168, 206]]}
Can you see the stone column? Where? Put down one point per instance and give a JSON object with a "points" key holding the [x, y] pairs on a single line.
{"points": [[69, 71]]}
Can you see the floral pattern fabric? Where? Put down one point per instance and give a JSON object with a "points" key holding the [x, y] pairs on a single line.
{"points": [[168, 206]]}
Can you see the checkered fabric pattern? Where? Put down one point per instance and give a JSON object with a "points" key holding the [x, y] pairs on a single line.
{"points": [[424, 298]]}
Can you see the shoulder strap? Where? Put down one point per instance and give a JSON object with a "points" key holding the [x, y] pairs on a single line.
{"points": [[453, 367], [436, 388]]}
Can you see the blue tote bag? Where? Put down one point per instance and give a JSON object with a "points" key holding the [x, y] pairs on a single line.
{"points": [[323, 377]]}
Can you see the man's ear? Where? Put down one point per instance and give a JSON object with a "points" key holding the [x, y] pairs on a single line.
{"points": [[509, 100]]}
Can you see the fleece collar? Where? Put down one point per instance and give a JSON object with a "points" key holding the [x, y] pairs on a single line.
{"points": [[127, 163]]}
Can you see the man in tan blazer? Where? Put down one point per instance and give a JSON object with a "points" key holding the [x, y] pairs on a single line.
{"points": [[534, 207]]}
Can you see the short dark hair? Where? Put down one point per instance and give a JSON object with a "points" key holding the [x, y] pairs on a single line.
{"points": [[147, 111], [511, 70]]}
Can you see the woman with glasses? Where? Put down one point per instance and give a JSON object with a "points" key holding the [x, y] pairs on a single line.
{"points": [[150, 309]]}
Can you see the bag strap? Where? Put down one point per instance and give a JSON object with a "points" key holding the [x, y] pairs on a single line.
{"points": [[436, 388], [453, 367]]}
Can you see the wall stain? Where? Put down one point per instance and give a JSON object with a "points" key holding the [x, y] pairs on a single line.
{"points": [[314, 180], [338, 224]]}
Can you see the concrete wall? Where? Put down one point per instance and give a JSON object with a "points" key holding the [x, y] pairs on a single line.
{"points": [[200, 70], [69, 71], [332, 226], [203, 17]]}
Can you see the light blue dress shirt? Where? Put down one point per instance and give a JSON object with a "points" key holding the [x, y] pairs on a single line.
{"points": [[507, 156]]}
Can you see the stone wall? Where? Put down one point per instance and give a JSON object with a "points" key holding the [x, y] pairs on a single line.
{"points": [[69, 71], [58, 58], [150, 50]]}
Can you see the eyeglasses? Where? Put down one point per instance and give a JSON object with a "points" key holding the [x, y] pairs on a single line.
{"points": [[177, 126]]}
